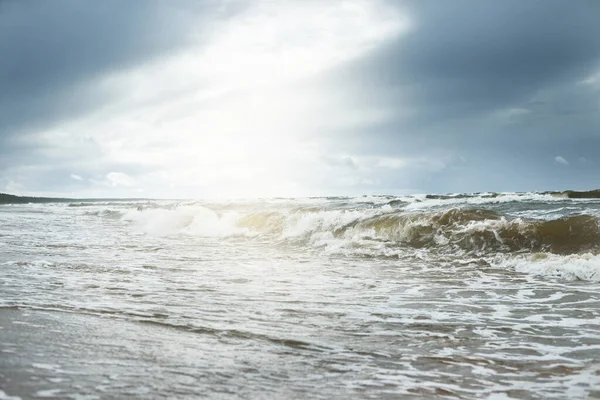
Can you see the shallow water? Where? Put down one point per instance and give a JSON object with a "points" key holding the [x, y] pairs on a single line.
{"points": [[367, 297]]}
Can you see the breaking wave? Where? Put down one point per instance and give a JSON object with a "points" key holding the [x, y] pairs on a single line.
{"points": [[196, 220], [584, 267], [478, 231]]}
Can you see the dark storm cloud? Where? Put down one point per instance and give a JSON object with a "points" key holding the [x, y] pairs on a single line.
{"points": [[51, 55], [51, 50], [498, 82], [468, 55]]}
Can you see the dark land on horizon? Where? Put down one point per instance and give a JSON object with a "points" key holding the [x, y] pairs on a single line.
{"points": [[6, 198]]}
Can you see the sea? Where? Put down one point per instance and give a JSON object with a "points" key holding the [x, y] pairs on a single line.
{"points": [[487, 295]]}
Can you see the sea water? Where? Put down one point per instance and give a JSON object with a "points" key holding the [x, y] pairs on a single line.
{"points": [[469, 296]]}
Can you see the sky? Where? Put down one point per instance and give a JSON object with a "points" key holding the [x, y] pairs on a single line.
{"points": [[217, 98]]}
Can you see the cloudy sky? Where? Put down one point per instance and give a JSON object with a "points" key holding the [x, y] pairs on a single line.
{"points": [[189, 98]]}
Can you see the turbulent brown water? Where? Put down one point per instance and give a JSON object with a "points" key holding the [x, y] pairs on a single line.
{"points": [[470, 296]]}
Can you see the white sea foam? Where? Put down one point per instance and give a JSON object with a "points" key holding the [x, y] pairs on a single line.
{"points": [[4, 396], [191, 219], [48, 393], [585, 267]]}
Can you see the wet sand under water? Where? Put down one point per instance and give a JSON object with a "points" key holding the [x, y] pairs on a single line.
{"points": [[46, 354], [63, 355]]}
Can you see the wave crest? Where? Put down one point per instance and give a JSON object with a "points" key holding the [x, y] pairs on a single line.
{"points": [[478, 231], [584, 267]]}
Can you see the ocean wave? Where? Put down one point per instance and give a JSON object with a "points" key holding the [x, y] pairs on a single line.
{"points": [[584, 267], [574, 194], [479, 231], [189, 219], [105, 213], [429, 201]]}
